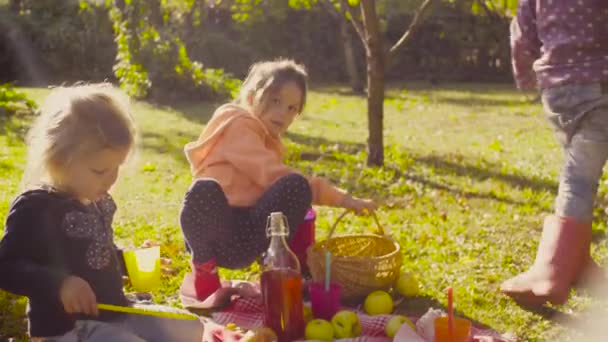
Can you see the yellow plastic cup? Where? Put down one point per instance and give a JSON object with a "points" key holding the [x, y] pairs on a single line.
{"points": [[462, 330], [143, 268]]}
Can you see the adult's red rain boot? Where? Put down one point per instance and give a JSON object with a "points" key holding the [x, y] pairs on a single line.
{"points": [[562, 253], [206, 279]]}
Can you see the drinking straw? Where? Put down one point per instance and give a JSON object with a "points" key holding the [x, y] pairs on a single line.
{"points": [[126, 309], [327, 270], [450, 313]]}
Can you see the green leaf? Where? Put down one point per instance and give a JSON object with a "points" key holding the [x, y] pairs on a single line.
{"points": [[84, 5], [149, 167], [495, 146], [475, 8]]}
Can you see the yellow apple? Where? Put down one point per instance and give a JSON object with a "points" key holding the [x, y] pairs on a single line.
{"points": [[378, 303], [319, 329], [346, 324], [407, 285], [395, 323]]}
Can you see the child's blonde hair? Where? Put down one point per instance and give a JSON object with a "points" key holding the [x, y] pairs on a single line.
{"points": [[76, 121], [266, 78]]}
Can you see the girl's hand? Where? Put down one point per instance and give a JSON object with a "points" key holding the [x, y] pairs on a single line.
{"points": [[224, 294], [360, 206], [246, 289], [77, 296]]}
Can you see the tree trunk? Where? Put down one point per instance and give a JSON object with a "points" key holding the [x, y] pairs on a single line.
{"points": [[156, 14], [349, 57], [375, 109], [377, 60], [188, 32], [375, 83], [120, 4]]}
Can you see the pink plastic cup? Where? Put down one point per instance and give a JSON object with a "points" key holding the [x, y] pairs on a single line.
{"points": [[325, 304]]}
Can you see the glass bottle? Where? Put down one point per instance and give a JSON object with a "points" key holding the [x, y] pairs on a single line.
{"points": [[281, 283]]}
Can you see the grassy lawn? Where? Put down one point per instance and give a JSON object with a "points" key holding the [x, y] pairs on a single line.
{"points": [[470, 172]]}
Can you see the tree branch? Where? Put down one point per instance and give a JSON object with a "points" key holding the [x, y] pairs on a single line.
{"points": [[407, 35], [356, 24]]}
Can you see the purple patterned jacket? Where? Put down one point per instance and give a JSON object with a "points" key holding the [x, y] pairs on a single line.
{"points": [[555, 42]]}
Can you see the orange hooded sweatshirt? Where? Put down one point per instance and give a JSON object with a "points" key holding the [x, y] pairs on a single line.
{"points": [[237, 151]]}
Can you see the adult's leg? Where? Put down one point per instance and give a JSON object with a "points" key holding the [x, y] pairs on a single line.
{"points": [[580, 116]]}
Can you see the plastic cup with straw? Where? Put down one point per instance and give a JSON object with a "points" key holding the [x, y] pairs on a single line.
{"points": [[325, 296], [450, 328]]}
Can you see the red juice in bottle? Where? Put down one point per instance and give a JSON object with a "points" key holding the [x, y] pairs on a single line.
{"points": [[283, 311], [281, 283]]}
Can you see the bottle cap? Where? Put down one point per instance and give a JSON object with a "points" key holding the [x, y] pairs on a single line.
{"points": [[277, 225]]}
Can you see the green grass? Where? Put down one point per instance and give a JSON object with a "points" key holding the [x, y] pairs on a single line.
{"points": [[470, 172]]}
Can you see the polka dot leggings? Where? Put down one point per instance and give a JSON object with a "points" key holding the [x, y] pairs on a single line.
{"points": [[236, 236]]}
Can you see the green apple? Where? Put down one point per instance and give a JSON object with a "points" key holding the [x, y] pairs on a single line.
{"points": [[346, 324], [319, 329], [407, 285], [378, 303], [395, 323]]}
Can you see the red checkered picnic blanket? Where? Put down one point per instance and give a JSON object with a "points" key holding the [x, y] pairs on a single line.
{"points": [[247, 314]]}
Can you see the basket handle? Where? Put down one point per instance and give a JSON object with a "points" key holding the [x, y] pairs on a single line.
{"points": [[381, 230]]}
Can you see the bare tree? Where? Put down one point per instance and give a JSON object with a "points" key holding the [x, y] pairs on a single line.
{"points": [[364, 19]]}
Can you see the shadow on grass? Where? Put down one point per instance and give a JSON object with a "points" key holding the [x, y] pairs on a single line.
{"points": [[343, 92], [441, 165], [315, 142], [160, 144], [559, 317], [197, 112], [474, 101]]}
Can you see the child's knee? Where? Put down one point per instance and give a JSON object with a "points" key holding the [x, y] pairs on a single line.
{"points": [[203, 192], [205, 186], [300, 185]]}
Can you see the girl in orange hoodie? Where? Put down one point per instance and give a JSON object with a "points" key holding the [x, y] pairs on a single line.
{"points": [[240, 178]]}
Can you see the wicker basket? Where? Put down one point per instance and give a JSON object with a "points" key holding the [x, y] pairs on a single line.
{"points": [[361, 263]]}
